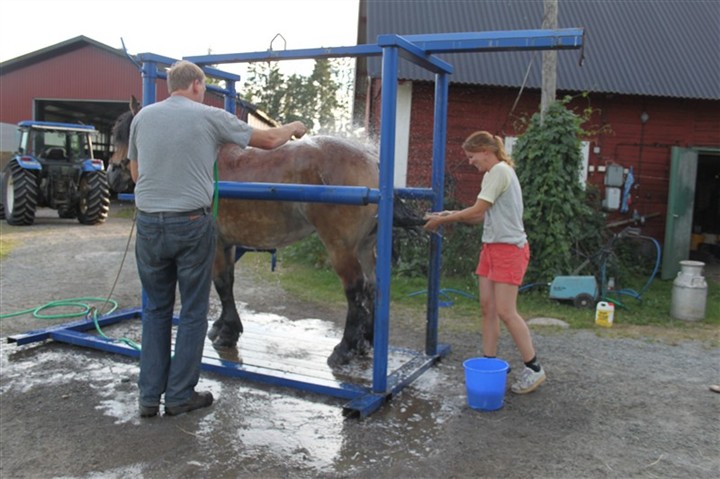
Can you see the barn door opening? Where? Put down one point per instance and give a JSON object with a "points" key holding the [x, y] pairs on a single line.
{"points": [[100, 114], [705, 240]]}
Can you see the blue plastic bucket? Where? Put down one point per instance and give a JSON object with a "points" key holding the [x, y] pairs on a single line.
{"points": [[485, 380]]}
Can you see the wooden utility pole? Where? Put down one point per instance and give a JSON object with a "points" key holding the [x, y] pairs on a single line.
{"points": [[549, 60]]}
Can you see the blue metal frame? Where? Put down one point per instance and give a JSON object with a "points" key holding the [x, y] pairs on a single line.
{"points": [[418, 49]]}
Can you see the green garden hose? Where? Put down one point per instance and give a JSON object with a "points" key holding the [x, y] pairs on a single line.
{"points": [[85, 310], [73, 303]]}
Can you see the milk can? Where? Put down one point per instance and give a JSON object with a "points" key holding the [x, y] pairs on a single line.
{"points": [[689, 292]]}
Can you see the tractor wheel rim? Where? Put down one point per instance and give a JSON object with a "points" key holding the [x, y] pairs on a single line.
{"points": [[10, 194]]}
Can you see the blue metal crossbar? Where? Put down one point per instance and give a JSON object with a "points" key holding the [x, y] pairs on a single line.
{"points": [[421, 50], [348, 195], [513, 40], [413, 53], [500, 41], [299, 54]]}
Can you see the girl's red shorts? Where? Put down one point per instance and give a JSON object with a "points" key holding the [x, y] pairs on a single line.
{"points": [[503, 262]]}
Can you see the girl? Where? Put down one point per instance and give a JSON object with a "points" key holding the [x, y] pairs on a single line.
{"points": [[505, 251]]}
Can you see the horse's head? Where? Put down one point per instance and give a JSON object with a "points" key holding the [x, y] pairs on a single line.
{"points": [[118, 170]]}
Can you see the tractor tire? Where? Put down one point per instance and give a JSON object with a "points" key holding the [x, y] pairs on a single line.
{"points": [[94, 198], [2, 200], [20, 195]]}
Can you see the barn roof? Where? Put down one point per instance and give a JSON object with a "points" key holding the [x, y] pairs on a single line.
{"points": [[51, 51], [651, 48]]}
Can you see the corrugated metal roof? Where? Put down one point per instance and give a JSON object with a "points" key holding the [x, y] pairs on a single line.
{"points": [[636, 47]]}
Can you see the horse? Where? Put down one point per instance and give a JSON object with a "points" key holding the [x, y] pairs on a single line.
{"points": [[348, 232]]}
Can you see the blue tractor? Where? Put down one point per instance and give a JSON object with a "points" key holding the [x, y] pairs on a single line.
{"points": [[54, 167]]}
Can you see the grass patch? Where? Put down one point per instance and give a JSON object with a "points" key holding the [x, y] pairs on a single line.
{"points": [[6, 246], [650, 313]]}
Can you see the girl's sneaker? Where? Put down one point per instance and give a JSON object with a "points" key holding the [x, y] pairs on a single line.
{"points": [[528, 381]]}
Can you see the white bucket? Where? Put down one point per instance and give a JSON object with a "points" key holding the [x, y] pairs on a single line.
{"points": [[604, 314]]}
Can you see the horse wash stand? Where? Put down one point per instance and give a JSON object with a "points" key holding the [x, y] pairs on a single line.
{"points": [[420, 50]]}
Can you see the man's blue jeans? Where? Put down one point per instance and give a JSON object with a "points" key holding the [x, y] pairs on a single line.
{"points": [[170, 251]]}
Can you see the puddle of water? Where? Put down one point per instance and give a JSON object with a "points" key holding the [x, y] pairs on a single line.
{"points": [[269, 425]]}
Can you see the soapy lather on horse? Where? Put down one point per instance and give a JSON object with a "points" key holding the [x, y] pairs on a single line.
{"points": [[348, 232]]}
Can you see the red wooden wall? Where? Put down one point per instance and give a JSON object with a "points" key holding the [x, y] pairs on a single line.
{"points": [[85, 73], [626, 141], [88, 73]]}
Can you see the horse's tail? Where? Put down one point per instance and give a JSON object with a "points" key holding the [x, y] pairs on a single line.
{"points": [[404, 216]]}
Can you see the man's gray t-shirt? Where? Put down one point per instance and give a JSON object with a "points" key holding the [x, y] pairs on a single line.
{"points": [[176, 142]]}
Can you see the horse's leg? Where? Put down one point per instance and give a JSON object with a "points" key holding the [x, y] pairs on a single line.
{"points": [[367, 257], [360, 298], [226, 330]]}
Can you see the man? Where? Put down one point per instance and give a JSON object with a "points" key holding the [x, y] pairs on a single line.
{"points": [[172, 151]]}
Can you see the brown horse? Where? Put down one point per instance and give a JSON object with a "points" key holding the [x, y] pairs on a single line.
{"points": [[347, 232]]}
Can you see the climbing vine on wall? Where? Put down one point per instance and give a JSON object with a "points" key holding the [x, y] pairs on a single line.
{"points": [[562, 224]]}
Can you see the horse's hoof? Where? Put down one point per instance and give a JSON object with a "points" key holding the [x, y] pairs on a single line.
{"points": [[228, 354], [213, 333], [339, 357], [364, 348], [225, 340]]}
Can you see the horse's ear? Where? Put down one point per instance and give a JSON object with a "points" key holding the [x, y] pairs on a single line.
{"points": [[134, 105]]}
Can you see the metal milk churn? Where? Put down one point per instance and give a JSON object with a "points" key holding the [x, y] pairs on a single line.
{"points": [[689, 292]]}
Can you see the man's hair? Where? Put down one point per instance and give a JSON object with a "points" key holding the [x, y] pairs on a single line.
{"points": [[182, 74]]}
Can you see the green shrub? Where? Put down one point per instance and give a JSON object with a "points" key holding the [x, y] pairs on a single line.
{"points": [[562, 224], [310, 252]]}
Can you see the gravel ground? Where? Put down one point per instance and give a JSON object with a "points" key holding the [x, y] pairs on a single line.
{"points": [[615, 405]]}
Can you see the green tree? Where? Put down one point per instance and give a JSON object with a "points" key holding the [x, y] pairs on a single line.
{"points": [[315, 99], [265, 87], [560, 222], [324, 88]]}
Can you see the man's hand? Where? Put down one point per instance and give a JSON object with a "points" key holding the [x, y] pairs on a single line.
{"points": [[274, 137], [299, 129]]}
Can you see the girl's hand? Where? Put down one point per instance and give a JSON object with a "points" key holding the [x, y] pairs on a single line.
{"points": [[435, 220]]}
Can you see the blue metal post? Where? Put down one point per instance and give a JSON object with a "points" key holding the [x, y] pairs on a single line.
{"points": [[149, 82], [438, 180], [385, 211], [149, 75], [230, 97]]}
